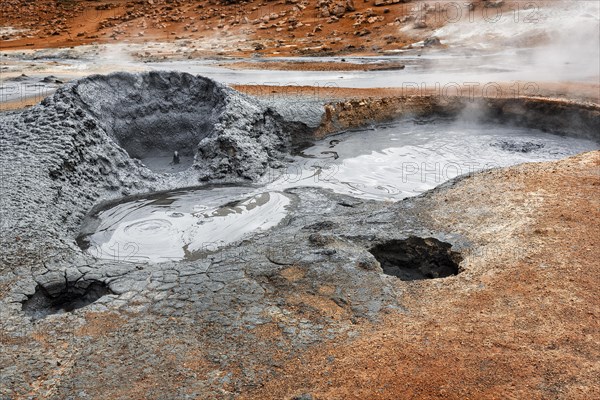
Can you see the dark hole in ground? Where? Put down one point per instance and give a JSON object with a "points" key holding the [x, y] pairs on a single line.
{"points": [[65, 296], [417, 258]]}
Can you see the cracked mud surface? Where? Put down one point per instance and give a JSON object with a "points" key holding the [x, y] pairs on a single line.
{"points": [[309, 313], [303, 307]]}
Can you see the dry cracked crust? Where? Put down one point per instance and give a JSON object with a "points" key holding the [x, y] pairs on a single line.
{"points": [[520, 321]]}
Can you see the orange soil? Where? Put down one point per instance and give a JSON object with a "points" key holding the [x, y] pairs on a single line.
{"points": [[583, 92], [521, 322], [68, 23]]}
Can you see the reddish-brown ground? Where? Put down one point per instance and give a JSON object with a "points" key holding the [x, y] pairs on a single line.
{"points": [[521, 322], [581, 92], [290, 27]]}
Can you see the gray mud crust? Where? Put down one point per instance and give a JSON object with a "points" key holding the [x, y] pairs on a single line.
{"points": [[75, 150], [84, 144]]}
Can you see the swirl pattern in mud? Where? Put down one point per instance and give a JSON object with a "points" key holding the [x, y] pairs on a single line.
{"points": [[181, 225], [404, 159]]}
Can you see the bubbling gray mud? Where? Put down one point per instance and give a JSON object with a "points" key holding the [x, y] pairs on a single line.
{"points": [[392, 162], [182, 225], [389, 162]]}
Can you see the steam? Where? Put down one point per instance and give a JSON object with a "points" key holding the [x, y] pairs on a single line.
{"points": [[115, 54], [574, 50], [555, 40]]}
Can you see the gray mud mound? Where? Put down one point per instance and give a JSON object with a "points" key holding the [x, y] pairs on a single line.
{"points": [[518, 146], [84, 144], [154, 114]]}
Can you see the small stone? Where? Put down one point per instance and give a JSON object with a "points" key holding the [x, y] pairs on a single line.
{"points": [[432, 41], [420, 25], [320, 240], [303, 396], [368, 263]]}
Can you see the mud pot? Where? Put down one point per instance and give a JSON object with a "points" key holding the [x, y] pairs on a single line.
{"points": [[407, 158], [271, 232], [182, 224], [386, 162]]}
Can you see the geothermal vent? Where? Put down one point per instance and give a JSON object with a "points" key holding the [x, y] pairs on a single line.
{"points": [[152, 115], [417, 258]]}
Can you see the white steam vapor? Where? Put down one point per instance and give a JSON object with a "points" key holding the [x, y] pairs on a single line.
{"points": [[555, 40]]}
